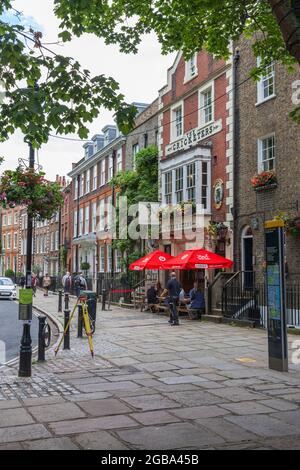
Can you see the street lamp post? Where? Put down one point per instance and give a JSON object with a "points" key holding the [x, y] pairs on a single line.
{"points": [[26, 349]]}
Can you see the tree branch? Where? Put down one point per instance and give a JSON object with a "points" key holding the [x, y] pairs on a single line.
{"points": [[287, 14]]}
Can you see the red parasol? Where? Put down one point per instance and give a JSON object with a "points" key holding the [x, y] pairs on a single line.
{"points": [[198, 258], [155, 260]]}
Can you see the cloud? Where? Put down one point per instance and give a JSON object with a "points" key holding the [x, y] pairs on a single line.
{"points": [[28, 22]]}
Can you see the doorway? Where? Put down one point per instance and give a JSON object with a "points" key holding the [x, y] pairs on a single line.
{"points": [[247, 258]]}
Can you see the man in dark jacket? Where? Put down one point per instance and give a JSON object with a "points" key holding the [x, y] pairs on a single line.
{"points": [[174, 288]]}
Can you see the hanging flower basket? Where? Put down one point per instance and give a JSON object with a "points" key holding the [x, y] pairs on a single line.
{"points": [[264, 181], [217, 230], [25, 187]]}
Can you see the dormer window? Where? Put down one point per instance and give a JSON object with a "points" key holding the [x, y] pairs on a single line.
{"points": [[191, 69]]}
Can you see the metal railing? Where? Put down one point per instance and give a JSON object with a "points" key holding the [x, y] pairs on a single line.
{"points": [[245, 300]]}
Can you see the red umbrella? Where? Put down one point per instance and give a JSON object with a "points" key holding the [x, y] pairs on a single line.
{"points": [[155, 260], [198, 258]]}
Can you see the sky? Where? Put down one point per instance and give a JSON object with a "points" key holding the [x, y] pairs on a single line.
{"points": [[140, 77]]}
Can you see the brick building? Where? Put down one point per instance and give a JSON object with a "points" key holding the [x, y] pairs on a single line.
{"points": [[145, 132], [66, 228], [91, 192], [266, 139], [10, 219], [195, 144]]}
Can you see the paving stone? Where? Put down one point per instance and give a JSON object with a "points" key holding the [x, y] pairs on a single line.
{"points": [[23, 433], [228, 431], [78, 426], [9, 404], [14, 417], [43, 401], [247, 408], [104, 407], [280, 405], [294, 397], [104, 387], [12, 446], [86, 380], [150, 402], [237, 394], [183, 380], [56, 412], [100, 440], [196, 412], [263, 425], [57, 443], [284, 443], [156, 366], [289, 417], [196, 398], [88, 396], [170, 436], [149, 418]]}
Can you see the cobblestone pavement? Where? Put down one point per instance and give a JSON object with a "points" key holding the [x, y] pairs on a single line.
{"points": [[152, 386]]}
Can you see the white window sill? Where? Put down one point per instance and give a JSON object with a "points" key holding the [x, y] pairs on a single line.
{"points": [[265, 100], [189, 79]]}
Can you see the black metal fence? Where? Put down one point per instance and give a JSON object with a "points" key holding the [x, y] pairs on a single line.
{"points": [[121, 285], [247, 301]]}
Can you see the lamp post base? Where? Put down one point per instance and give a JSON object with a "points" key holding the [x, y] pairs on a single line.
{"points": [[25, 352]]}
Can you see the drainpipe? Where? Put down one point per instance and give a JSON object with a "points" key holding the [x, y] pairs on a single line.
{"points": [[236, 59]]}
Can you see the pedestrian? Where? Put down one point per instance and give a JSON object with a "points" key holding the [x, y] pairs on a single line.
{"points": [[197, 302], [67, 283], [46, 284], [34, 281], [22, 282], [80, 284], [174, 288]]}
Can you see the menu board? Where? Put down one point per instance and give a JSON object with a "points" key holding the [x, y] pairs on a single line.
{"points": [[275, 288]]}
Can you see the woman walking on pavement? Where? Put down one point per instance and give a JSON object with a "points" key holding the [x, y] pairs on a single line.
{"points": [[46, 284]]}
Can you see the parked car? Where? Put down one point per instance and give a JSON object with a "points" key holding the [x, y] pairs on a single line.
{"points": [[7, 289]]}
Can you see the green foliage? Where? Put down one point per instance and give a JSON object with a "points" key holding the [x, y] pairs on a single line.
{"points": [[85, 266], [9, 273], [67, 97], [36, 269], [187, 26], [137, 185]]}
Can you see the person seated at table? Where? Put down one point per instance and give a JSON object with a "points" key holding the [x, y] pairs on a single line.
{"points": [[159, 289], [197, 302], [152, 296], [183, 297]]}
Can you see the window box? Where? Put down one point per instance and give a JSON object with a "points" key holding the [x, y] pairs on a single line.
{"points": [[263, 181], [266, 187]]}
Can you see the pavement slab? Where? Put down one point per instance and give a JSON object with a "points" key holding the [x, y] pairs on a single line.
{"points": [[78, 426], [56, 412], [14, 417], [100, 440], [152, 387], [105, 407], [170, 436], [150, 402]]}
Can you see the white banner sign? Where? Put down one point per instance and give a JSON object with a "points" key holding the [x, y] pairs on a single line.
{"points": [[193, 137]]}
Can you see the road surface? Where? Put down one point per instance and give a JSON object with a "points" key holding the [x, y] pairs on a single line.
{"points": [[11, 330]]}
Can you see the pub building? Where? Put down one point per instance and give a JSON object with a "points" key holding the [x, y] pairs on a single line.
{"points": [[195, 154]]}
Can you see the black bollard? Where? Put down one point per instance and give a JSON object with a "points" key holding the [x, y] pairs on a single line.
{"points": [[103, 298], [67, 317], [25, 352], [41, 342], [60, 293], [80, 322]]}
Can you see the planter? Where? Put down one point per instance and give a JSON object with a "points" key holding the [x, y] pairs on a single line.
{"points": [[266, 187]]}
